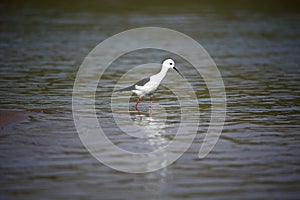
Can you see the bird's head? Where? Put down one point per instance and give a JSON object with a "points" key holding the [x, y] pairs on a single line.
{"points": [[170, 64]]}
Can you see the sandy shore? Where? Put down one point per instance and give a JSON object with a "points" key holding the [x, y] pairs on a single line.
{"points": [[9, 117]]}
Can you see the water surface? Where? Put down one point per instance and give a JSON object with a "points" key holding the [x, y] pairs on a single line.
{"points": [[257, 53]]}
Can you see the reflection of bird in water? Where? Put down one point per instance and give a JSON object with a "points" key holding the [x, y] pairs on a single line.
{"points": [[152, 127], [148, 86]]}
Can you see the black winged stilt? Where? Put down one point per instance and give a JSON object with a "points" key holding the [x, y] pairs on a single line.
{"points": [[147, 86]]}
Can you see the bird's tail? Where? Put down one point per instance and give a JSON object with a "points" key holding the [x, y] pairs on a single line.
{"points": [[125, 89]]}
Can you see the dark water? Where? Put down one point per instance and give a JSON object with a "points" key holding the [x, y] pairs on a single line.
{"points": [[256, 47]]}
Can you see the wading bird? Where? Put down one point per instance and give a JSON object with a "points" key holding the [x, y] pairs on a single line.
{"points": [[147, 86]]}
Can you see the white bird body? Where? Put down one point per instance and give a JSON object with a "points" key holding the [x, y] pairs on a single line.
{"points": [[151, 86], [148, 86]]}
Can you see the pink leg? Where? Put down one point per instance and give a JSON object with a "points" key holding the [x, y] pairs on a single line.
{"points": [[150, 113], [150, 102], [137, 103]]}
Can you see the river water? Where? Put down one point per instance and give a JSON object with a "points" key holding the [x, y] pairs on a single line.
{"points": [[256, 48]]}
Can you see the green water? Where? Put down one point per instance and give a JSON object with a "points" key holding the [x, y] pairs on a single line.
{"points": [[256, 48]]}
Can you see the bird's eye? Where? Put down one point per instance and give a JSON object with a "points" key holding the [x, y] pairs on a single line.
{"points": [[171, 63]]}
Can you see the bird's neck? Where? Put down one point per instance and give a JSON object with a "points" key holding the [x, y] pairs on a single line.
{"points": [[163, 72]]}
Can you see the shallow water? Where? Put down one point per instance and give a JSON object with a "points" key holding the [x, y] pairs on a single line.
{"points": [[256, 51]]}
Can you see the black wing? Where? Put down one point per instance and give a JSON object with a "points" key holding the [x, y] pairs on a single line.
{"points": [[142, 82], [139, 83]]}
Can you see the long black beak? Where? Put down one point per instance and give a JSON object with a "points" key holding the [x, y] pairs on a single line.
{"points": [[178, 72]]}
